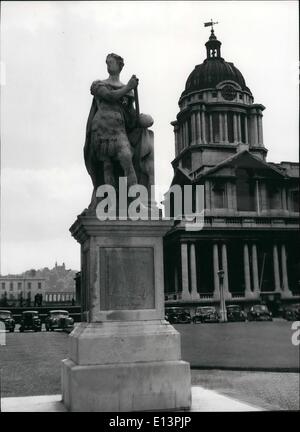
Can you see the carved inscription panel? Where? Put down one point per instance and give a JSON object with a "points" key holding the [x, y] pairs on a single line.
{"points": [[127, 278]]}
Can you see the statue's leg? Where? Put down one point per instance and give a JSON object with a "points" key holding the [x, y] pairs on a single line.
{"points": [[125, 158], [108, 172]]}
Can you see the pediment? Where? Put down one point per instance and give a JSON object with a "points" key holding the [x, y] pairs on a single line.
{"points": [[244, 160]]}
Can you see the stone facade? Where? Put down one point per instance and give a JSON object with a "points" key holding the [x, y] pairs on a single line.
{"points": [[16, 287], [251, 216]]}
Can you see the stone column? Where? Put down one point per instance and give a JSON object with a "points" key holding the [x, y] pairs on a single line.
{"points": [[225, 128], [284, 199], [227, 293], [211, 128], [260, 130], [193, 127], [254, 130], [235, 128], [181, 141], [193, 269], [216, 269], [176, 285], [285, 282], [248, 292], [185, 272], [176, 142], [246, 130], [276, 268], [220, 128], [207, 195], [199, 129], [258, 207], [185, 131], [239, 127], [255, 270], [203, 127]]}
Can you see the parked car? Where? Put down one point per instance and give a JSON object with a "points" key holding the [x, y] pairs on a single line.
{"points": [[177, 315], [30, 320], [7, 318], [205, 314], [235, 313], [292, 312], [259, 312], [59, 319]]}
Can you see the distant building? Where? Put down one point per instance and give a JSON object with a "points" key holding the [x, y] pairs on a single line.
{"points": [[21, 290], [251, 223]]}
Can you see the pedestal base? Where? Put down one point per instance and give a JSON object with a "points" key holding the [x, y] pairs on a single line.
{"points": [[135, 386], [125, 366]]}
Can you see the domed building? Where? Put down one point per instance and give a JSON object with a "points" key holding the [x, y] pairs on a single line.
{"points": [[247, 246]]}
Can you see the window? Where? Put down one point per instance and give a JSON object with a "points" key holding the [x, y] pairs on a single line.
{"points": [[214, 94], [39, 285], [19, 285], [11, 286], [29, 285], [241, 96], [245, 190], [273, 197], [187, 161], [3, 285], [200, 96], [295, 200], [219, 195]]}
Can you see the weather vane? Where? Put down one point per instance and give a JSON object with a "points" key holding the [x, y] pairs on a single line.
{"points": [[210, 23]]}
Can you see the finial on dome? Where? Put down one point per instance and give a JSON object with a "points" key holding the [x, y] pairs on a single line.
{"points": [[212, 45]]}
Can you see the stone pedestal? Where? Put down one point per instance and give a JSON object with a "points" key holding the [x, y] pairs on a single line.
{"points": [[125, 357]]}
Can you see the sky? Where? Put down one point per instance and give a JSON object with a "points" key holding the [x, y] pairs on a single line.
{"points": [[50, 54]]}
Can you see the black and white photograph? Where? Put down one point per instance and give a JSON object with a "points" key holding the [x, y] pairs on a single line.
{"points": [[149, 205]]}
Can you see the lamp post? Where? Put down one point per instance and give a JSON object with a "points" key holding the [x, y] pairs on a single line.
{"points": [[222, 299]]}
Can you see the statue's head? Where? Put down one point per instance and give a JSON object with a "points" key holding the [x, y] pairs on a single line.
{"points": [[112, 59]]}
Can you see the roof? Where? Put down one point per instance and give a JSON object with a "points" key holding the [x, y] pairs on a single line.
{"points": [[211, 72]]}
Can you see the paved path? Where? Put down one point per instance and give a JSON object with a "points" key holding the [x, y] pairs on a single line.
{"points": [[202, 400]]}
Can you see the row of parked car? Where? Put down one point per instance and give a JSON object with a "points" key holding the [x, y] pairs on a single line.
{"points": [[31, 320], [209, 314]]}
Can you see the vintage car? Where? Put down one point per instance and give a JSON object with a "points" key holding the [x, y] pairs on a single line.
{"points": [[206, 314], [235, 313], [259, 312], [59, 319], [177, 315], [292, 312], [30, 320], [7, 318]]}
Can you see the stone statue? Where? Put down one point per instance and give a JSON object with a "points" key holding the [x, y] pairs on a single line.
{"points": [[118, 143]]}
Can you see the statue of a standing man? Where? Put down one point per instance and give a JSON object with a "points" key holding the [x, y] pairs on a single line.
{"points": [[117, 141]]}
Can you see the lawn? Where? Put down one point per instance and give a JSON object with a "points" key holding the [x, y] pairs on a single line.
{"points": [[249, 345], [30, 362]]}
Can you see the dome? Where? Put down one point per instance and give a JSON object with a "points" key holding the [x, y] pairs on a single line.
{"points": [[213, 70]]}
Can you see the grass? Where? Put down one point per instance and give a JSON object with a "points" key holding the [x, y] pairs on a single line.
{"points": [[30, 362]]}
